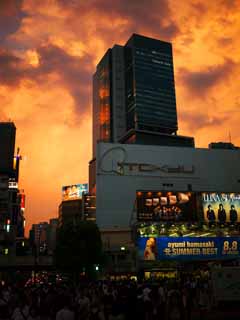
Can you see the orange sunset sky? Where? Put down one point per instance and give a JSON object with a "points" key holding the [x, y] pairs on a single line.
{"points": [[48, 53]]}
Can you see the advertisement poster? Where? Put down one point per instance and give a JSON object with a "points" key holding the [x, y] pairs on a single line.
{"points": [[221, 207], [166, 206], [74, 191], [188, 248]]}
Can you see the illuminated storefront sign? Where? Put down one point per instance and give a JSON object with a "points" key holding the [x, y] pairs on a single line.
{"points": [[74, 191], [221, 207], [166, 206], [188, 248]]}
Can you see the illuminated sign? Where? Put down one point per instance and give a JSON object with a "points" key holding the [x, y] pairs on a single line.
{"points": [[221, 207], [74, 191], [188, 248], [166, 206], [22, 203], [114, 161], [12, 184]]}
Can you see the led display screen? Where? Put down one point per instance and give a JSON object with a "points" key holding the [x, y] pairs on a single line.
{"points": [[74, 191], [221, 207], [166, 206], [188, 248]]}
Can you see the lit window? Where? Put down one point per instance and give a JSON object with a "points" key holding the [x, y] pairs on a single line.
{"points": [[157, 61]]}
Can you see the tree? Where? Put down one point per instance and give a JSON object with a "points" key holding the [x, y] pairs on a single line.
{"points": [[79, 247]]}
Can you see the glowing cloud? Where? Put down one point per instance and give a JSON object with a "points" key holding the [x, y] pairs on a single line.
{"points": [[49, 52]]}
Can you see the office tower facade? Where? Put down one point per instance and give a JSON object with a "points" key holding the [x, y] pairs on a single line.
{"points": [[109, 97], [134, 97], [150, 88], [12, 201], [8, 192]]}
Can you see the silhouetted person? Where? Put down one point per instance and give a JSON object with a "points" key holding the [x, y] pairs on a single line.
{"points": [[233, 214], [221, 214], [211, 214]]}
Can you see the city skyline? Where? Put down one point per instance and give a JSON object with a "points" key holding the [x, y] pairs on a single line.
{"points": [[49, 53]]}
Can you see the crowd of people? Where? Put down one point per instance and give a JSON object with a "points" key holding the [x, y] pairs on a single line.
{"points": [[107, 300]]}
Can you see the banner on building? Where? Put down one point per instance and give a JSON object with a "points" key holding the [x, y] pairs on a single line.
{"points": [[188, 248]]}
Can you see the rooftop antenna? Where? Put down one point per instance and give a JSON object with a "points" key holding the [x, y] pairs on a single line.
{"points": [[230, 138]]}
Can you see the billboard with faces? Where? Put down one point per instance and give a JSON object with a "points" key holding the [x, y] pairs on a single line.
{"points": [[74, 192], [188, 248], [221, 207], [166, 206]]}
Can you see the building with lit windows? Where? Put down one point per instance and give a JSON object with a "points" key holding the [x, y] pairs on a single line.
{"points": [[153, 188], [109, 122], [12, 204], [173, 196], [134, 98], [150, 88]]}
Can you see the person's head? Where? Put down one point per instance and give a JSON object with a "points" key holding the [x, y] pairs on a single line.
{"points": [[209, 207], [66, 191], [74, 189], [220, 206], [151, 242], [232, 207]]}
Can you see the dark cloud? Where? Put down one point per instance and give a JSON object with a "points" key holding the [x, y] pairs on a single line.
{"points": [[229, 4], [11, 15], [153, 17], [198, 9], [199, 120], [199, 82], [75, 73], [11, 70], [225, 41]]}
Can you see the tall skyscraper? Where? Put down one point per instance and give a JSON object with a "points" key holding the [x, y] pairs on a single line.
{"points": [[7, 146], [11, 217], [134, 95], [12, 201]]}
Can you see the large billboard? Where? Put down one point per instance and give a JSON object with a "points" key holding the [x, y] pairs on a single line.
{"points": [[188, 248], [221, 207], [74, 192], [166, 206]]}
